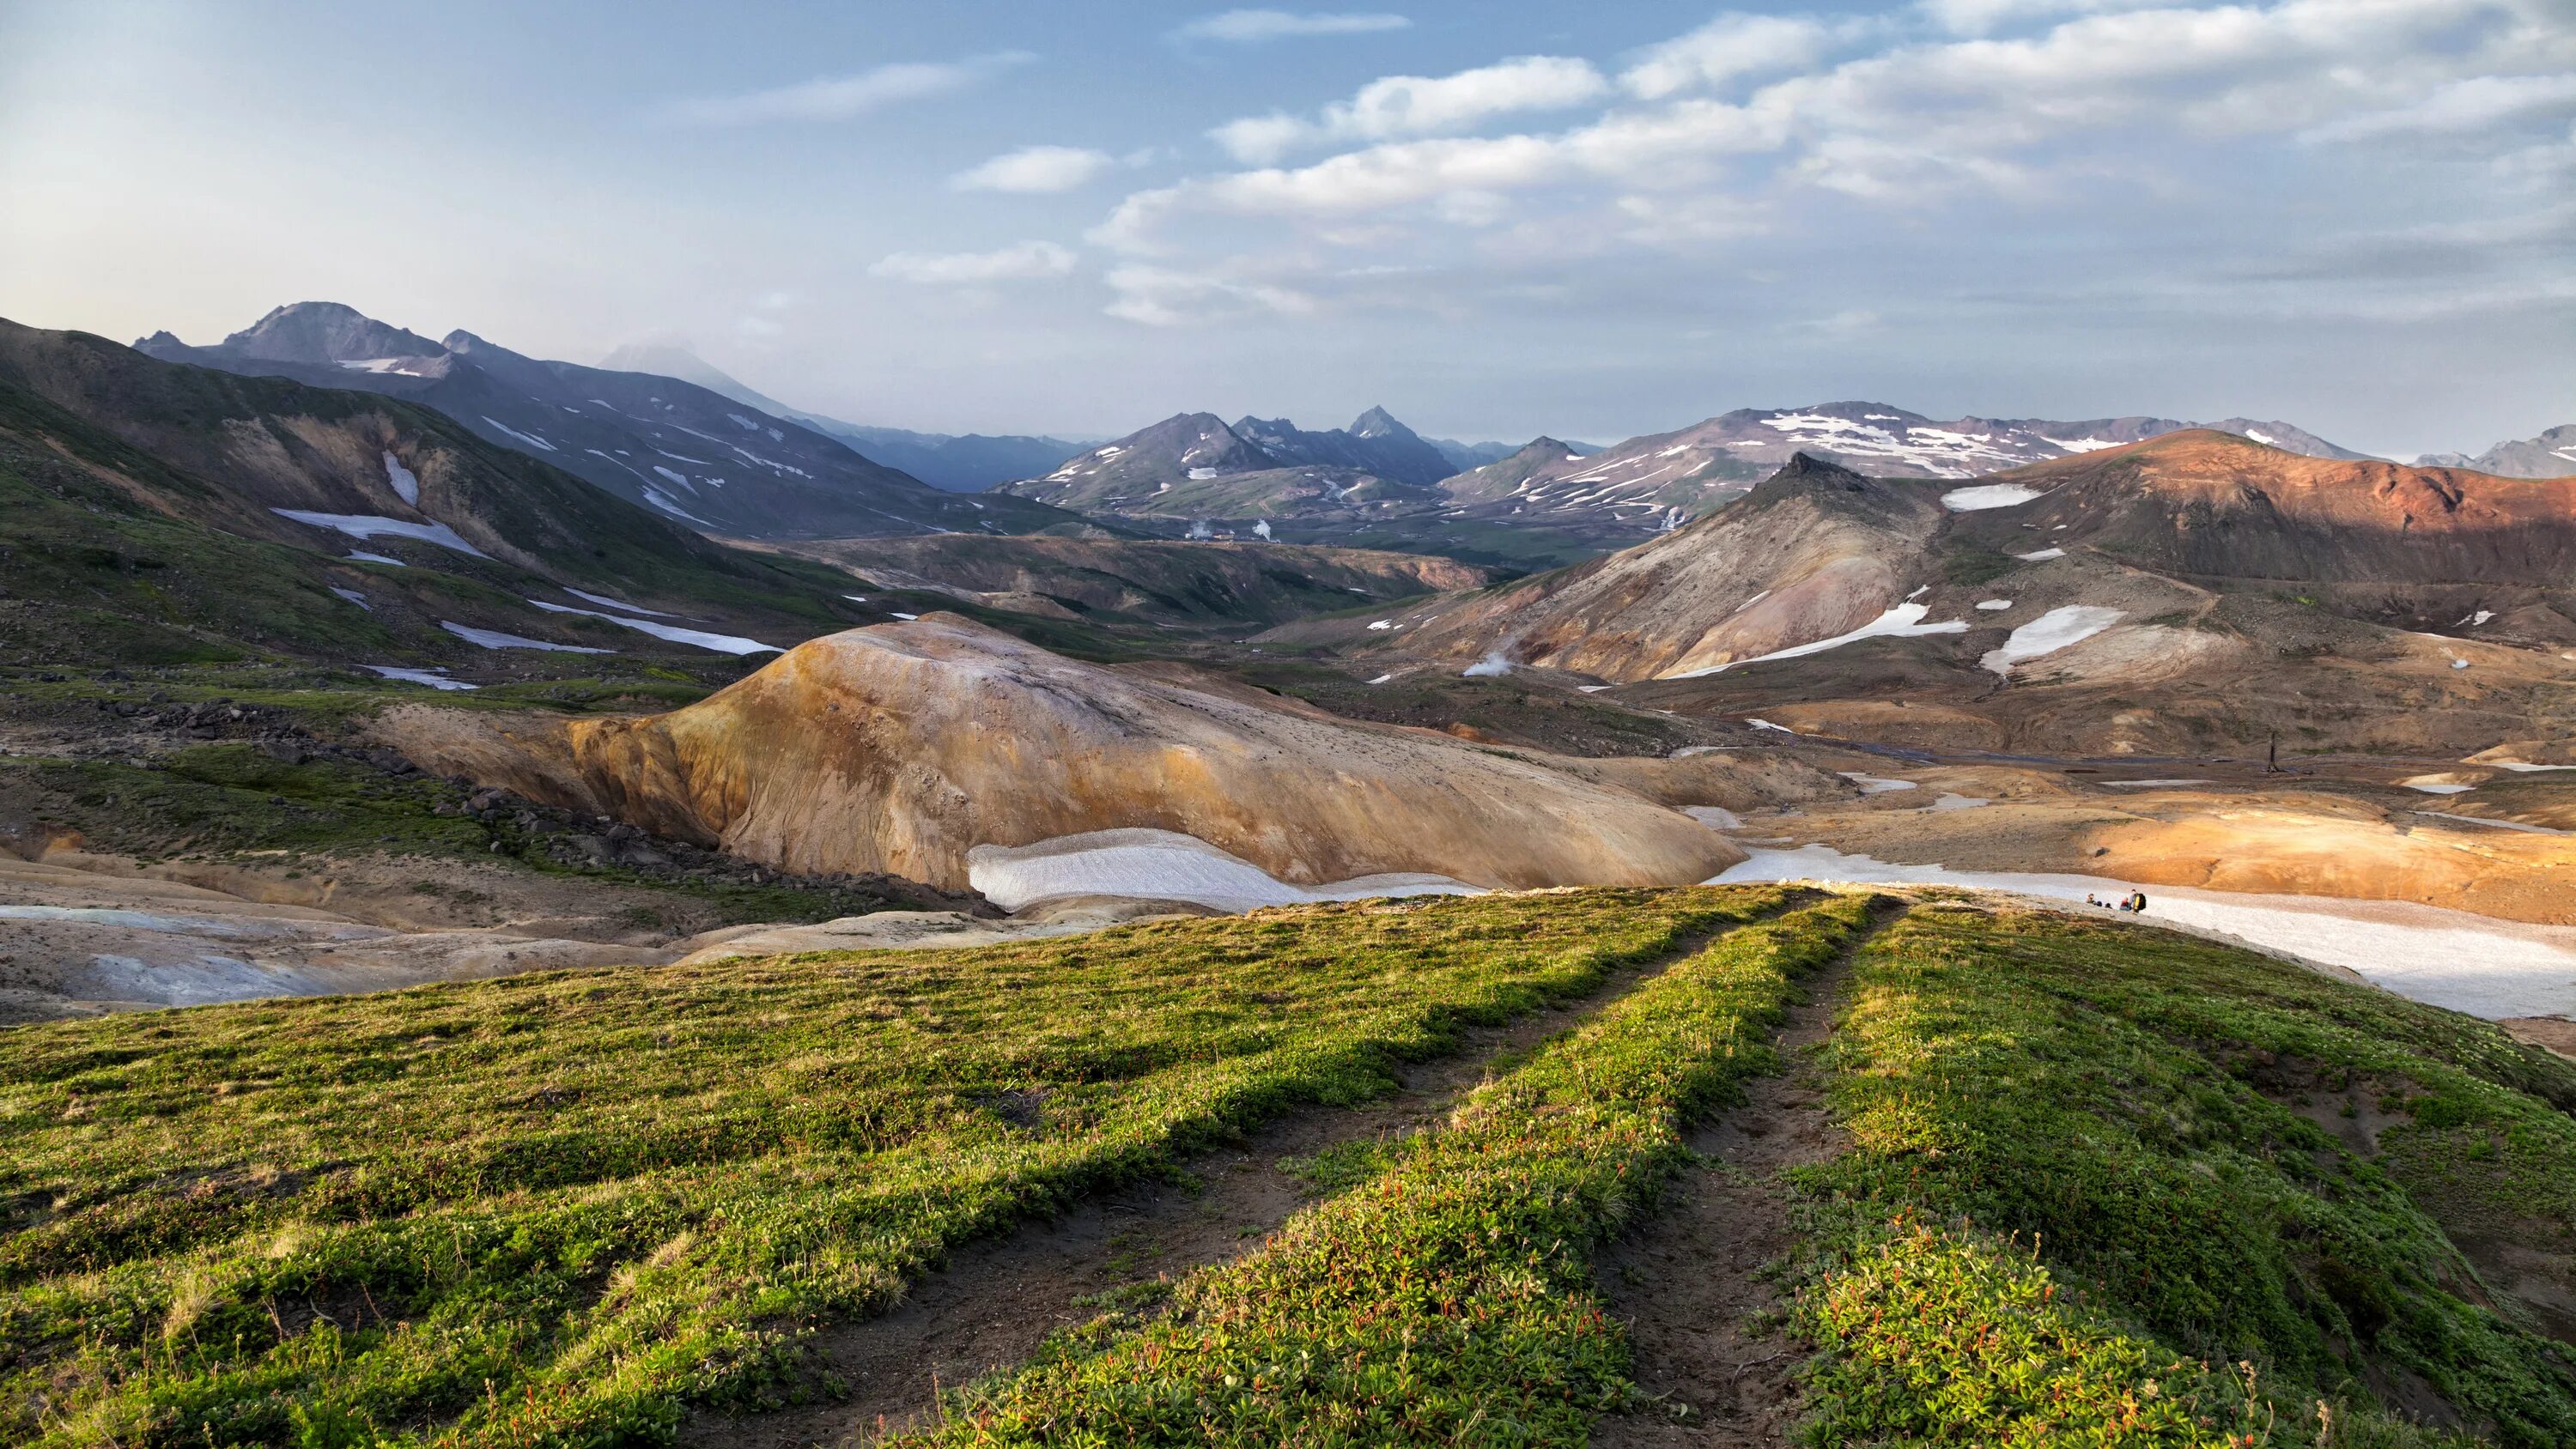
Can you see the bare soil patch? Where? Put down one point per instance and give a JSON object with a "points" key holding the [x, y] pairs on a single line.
{"points": [[1691, 1283]]}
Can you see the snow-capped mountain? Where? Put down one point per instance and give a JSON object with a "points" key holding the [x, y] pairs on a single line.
{"points": [[691, 454], [1661, 479], [2550, 455], [1198, 465]]}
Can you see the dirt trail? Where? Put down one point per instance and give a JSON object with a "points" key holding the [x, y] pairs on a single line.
{"points": [[995, 1301], [1688, 1282]]}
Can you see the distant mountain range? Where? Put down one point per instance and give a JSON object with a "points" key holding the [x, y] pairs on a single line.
{"points": [[1377, 473], [957, 463], [689, 452], [2550, 455], [1197, 465], [1663, 478]]}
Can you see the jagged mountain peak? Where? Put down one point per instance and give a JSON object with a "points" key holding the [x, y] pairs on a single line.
{"points": [[1377, 422], [326, 332]]}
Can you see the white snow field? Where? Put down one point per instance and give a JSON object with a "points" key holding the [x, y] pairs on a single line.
{"points": [[606, 602], [2041, 555], [495, 639], [1989, 495], [405, 484], [359, 555], [2475, 964], [354, 597], [1905, 621], [530, 439], [364, 526], [1164, 865], [2049, 633], [720, 643], [1994, 606], [430, 677]]}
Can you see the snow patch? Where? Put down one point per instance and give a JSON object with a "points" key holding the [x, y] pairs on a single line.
{"points": [[1595, 688], [1764, 724], [495, 639], [1386, 624], [2476, 964], [354, 597], [406, 484], [359, 555], [531, 439], [1949, 802], [2041, 555], [1994, 605], [430, 677], [364, 526], [720, 643], [1164, 865], [1876, 784], [2437, 787], [606, 602], [1715, 817], [1989, 495], [2049, 633], [2494, 824], [907, 618], [1381, 679], [1905, 621], [1201, 475]]}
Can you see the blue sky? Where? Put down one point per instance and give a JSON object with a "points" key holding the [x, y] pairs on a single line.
{"points": [[1495, 219]]}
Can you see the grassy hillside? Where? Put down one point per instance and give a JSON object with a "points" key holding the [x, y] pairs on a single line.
{"points": [[2103, 1186]]}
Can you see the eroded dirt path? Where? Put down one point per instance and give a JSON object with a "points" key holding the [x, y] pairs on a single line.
{"points": [[1688, 1281], [995, 1301]]}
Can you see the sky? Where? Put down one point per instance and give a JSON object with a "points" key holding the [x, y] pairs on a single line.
{"points": [[1496, 219]]}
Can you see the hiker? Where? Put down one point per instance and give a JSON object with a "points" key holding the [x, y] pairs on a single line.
{"points": [[2138, 902]]}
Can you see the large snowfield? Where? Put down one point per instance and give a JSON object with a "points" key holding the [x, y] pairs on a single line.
{"points": [[1164, 865], [2476, 964]]}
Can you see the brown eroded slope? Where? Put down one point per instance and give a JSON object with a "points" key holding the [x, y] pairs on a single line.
{"points": [[2214, 505], [1816, 550], [901, 747]]}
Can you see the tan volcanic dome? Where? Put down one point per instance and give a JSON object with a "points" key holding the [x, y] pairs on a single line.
{"points": [[899, 747]]}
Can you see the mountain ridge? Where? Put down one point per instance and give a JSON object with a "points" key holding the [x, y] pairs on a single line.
{"points": [[690, 453]]}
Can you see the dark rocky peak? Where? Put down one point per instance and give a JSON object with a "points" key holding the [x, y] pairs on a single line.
{"points": [[1378, 423], [319, 332]]}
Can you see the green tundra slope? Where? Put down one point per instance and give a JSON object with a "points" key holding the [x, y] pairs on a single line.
{"points": [[2100, 1185]]}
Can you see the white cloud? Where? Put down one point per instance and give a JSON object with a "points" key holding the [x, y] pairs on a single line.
{"points": [[1412, 105], [1159, 297], [1732, 45], [1035, 169], [1917, 122], [1251, 27], [1023, 262], [839, 98], [2471, 105]]}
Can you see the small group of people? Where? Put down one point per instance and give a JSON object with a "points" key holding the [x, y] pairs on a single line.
{"points": [[2135, 902]]}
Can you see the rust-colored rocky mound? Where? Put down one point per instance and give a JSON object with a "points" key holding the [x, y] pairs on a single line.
{"points": [[2213, 504], [899, 748]]}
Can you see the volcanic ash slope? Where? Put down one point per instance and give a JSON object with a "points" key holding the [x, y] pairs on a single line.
{"points": [[900, 747]]}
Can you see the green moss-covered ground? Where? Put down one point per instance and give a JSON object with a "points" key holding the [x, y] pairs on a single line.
{"points": [[2104, 1186]]}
